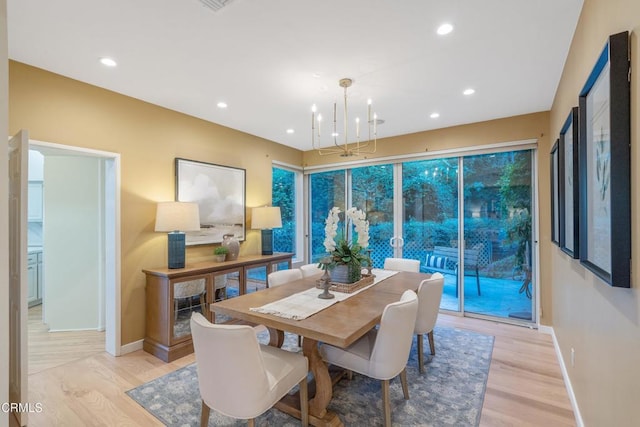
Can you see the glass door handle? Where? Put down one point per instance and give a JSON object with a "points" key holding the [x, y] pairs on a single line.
{"points": [[396, 242]]}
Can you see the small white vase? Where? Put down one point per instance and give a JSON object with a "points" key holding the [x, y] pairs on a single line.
{"points": [[233, 245]]}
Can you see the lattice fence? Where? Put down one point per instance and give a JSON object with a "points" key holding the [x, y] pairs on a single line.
{"points": [[421, 237]]}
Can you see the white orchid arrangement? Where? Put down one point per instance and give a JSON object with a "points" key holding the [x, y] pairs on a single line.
{"points": [[342, 251]]}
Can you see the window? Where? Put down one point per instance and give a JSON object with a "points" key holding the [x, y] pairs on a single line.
{"points": [[287, 196]]}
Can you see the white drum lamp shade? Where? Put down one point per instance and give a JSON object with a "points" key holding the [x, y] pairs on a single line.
{"points": [[266, 219], [176, 218]]}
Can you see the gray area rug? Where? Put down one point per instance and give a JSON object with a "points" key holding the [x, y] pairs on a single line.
{"points": [[449, 393]]}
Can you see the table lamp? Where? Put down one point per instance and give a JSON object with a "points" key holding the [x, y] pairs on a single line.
{"points": [[176, 218], [266, 219]]}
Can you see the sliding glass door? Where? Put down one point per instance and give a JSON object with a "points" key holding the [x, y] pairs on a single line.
{"points": [[467, 217], [326, 190], [497, 234], [372, 191], [430, 219], [369, 189]]}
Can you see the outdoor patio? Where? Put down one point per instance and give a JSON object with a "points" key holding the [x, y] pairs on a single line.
{"points": [[500, 297]]}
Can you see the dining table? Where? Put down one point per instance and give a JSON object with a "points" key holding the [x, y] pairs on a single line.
{"points": [[340, 324]]}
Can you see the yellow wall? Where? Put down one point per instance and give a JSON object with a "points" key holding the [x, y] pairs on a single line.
{"points": [[64, 111], [530, 126], [601, 323]]}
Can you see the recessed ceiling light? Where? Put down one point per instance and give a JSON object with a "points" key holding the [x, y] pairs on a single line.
{"points": [[290, 131], [316, 75], [434, 115], [222, 104], [469, 91], [108, 62], [444, 29]]}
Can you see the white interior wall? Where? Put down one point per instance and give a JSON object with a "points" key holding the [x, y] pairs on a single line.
{"points": [[72, 236], [36, 166]]}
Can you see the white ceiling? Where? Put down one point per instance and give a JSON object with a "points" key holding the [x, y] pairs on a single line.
{"points": [[260, 57]]}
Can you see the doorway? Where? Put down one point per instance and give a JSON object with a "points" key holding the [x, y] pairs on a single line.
{"points": [[80, 241]]}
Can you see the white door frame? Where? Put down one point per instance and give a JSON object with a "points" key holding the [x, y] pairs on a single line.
{"points": [[112, 250]]}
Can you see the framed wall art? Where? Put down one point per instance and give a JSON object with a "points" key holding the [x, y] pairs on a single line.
{"points": [[220, 194], [555, 195], [568, 180], [605, 165]]}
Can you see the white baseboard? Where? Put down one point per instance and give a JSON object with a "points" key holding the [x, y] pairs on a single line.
{"points": [[131, 347], [74, 330], [565, 374], [546, 330]]}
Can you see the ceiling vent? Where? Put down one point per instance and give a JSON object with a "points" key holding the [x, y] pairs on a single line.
{"points": [[215, 5]]}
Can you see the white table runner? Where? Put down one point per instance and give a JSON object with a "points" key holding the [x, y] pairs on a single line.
{"points": [[306, 303]]}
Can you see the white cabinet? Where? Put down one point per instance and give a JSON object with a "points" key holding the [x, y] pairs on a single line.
{"points": [[34, 209], [34, 276]]}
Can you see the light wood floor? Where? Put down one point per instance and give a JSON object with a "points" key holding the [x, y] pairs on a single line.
{"points": [[525, 386], [50, 349]]}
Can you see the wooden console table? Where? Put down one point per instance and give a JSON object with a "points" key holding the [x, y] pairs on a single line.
{"points": [[167, 337]]}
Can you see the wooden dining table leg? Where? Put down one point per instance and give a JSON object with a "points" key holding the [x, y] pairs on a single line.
{"points": [[318, 404], [321, 385]]}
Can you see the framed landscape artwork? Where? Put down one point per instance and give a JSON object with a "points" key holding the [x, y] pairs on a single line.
{"points": [[555, 196], [220, 194], [605, 166], [568, 180]]}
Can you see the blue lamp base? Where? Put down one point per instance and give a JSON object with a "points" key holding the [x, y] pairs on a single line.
{"points": [[176, 249], [267, 241]]}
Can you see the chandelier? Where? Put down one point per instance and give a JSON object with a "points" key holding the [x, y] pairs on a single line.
{"points": [[344, 149]]}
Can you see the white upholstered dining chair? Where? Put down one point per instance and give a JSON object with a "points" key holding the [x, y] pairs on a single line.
{"points": [[429, 296], [281, 277], [382, 353], [309, 270], [240, 378], [402, 264]]}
